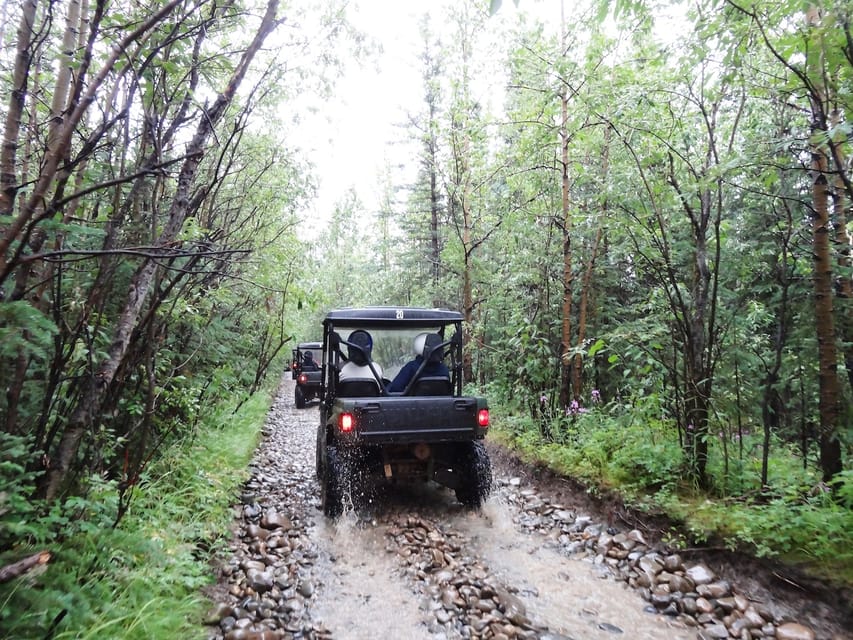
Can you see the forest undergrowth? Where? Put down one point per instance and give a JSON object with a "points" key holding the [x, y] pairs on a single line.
{"points": [[142, 578]]}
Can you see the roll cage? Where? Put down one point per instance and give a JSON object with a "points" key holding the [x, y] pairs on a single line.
{"points": [[396, 326]]}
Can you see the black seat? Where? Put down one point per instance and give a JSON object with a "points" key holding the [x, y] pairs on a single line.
{"points": [[433, 352], [432, 386], [358, 388]]}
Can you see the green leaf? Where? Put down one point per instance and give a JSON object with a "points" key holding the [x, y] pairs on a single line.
{"points": [[595, 348]]}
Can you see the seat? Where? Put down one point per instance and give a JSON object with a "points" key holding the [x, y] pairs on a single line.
{"points": [[358, 388], [432, 386], [433, 351], [424, 383]]}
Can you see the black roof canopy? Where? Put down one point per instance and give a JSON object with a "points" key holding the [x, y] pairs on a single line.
{"points": [[309, 345], [391, 316]]}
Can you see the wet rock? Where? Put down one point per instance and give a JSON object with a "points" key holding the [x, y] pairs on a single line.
{"points": [[272, 519], [220, 611], [252, 565], [306, 588], [714, 590], [737, 627], [256, 532], [661, 596], [259, 581], [443, 616], [727, 604], [651, 565], [794, 631], [703, 605], [485, 605], [673, 563], [700, 574], [513, 608], [714, 632], [563, 516], [688, 606], [753, 618], [681, 584], [637, 536], [245, 634]]}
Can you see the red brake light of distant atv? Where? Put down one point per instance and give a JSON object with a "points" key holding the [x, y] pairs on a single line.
{"points": [[346, 422], [303, 378], [483, 417], [293, 366]]}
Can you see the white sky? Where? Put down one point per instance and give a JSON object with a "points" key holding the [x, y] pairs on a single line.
{"points": [[357, 133]]}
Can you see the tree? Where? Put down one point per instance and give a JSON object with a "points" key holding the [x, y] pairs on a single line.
{"points": [[824, 45], [94, 393]]}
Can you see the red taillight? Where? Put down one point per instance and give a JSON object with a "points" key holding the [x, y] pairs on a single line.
{"points": [[346, 422], [483, 417], [293, 366], [303, 378]]}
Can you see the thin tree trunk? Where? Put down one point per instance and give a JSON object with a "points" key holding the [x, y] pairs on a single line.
{"points": [[844, 283], [586, 286], [62, 87], [828, 409], [435, 247], [771, 405], [828, 402], [566, 307], [9, 182], [467, 294], [586, 283]]}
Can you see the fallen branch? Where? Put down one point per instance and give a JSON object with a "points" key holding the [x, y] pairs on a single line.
{"points": [[20, 567]]}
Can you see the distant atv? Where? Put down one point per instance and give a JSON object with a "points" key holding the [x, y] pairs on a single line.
{"points": [[306, 371], [428, 431]]}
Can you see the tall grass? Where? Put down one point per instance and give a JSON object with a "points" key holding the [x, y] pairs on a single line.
{"points": [[142, 579]]}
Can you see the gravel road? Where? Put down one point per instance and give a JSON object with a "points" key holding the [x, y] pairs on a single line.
{"points": [[417, 565]]}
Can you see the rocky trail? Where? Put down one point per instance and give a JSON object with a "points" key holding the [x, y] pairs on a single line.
{"points": [[538, 561]]}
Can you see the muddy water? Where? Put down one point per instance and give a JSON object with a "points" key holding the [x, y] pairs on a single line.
{"points": [[361, 594], [363, 591], [571, 597]]}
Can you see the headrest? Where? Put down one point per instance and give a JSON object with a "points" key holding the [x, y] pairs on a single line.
{"points": [[430, 352], [359, 347]]}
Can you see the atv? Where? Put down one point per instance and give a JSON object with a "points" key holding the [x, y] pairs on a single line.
{"points": [[376, 429], [307, 373]]}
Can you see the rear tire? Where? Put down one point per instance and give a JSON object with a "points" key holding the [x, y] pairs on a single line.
{"points": [[298, 398], [475, 470], [331, 484], [318, 454]]}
